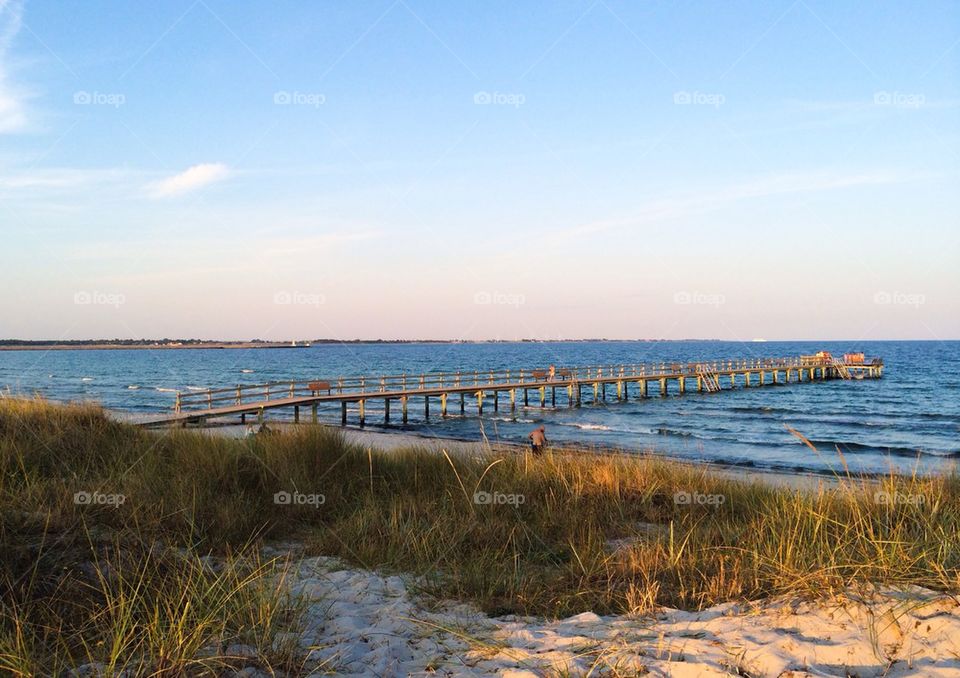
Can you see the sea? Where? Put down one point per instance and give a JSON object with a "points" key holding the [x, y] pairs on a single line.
{"points": [[908, 421]]}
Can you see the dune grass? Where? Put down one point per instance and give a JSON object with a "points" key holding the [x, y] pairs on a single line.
{"points": [[126, 582]]}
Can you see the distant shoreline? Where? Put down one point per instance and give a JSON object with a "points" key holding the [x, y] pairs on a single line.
{"points": [[106, 344], [92, 346]]}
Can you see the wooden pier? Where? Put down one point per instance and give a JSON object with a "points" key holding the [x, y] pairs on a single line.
{"points": [[511, 389]]}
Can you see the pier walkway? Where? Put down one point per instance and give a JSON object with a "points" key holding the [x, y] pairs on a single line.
{"points": [[507, 388]]}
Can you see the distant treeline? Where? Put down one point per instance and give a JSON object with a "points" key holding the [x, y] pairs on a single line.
{"points": [[200, 342]]}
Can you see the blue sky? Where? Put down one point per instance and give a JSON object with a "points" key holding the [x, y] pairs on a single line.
{"points": [[405, 169]]}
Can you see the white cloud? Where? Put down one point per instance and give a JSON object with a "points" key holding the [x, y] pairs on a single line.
{"points": [[191, 179], [708, 200], [13, 117]]}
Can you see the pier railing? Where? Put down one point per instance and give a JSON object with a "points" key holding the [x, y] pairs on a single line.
{"points": [[411, 383]]}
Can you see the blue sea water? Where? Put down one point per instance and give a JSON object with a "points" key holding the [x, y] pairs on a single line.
{"points": [[908, 420]]}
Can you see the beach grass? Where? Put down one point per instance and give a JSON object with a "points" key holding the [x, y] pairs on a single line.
{"points": [[106, 531]]}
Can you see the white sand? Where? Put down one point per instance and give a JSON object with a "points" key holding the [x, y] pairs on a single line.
{"points": [[359, 623]]}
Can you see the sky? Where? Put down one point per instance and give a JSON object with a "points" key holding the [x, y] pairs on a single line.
{"points": [[406, 169]]}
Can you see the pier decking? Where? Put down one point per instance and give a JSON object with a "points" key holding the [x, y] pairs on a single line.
{"points": [[575, 386]]}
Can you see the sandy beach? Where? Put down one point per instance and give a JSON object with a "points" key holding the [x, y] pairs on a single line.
{"points": [[397, 440], [361, 623]]}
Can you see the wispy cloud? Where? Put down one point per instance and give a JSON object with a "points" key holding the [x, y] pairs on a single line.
{"points": [[191, 179], [13, 117], [713, 199]]}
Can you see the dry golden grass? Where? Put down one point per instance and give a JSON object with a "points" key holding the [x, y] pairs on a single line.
{"points": [[126, 584]]}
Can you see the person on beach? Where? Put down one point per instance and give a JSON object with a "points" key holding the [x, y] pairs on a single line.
{"points": [[553, 372], [538, 439]]}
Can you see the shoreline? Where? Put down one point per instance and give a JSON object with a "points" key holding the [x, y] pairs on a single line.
{"points": [[151, 347], [392, 441]]}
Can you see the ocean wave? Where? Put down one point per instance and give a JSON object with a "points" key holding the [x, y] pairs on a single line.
{"points": [[196, 388], [165, 390], [86, 378], [852, 447], [589, 427], [133, 387]]}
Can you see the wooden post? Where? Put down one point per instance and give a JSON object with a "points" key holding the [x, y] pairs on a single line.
{"points": [[763, 377], [682, 381], [480, 402], [239, 394], [343, 412], [260, 416], [746, 379], [619, 390], [553, 396], [603, 390], [426, 406], [776, 377], [463, 404], [733, 380], [363, 413], [403, 408], [699, 384], [579, 394], [526, 398], [569, 395], [543, 397], [596, 390], [513, 400], [313, 412], [443, 405], [296, 414], [643, 388], [496, 400], [386, 411], [663, 386]]}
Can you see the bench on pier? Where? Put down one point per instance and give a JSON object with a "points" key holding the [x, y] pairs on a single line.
{"points": [[316, 386]]}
